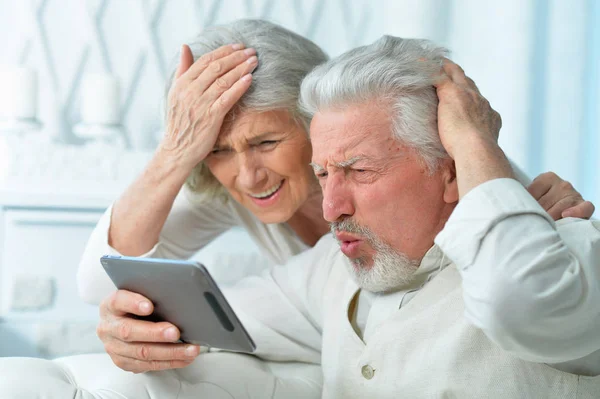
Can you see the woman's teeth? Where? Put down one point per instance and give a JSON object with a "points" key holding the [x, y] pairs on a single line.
{"points": [[270, 191]]}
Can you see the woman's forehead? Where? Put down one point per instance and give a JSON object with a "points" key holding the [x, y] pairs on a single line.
{"points": [[247, 125]]}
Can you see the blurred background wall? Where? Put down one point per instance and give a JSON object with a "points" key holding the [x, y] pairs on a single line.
{"points": [[537, 61]]}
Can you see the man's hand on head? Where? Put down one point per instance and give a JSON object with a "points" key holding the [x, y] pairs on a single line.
{"points": [[559, 198], [469, 128], [464, 115]]}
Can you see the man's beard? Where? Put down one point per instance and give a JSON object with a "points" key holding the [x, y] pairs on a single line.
{"points": [[390, 270]]}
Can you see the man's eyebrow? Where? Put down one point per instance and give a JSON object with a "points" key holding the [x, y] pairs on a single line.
{"points": [[316, 167], [348, 162], [341, 165]]}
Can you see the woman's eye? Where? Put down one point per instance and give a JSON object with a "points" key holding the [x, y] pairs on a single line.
{"points": [[219, 151], [268, 142]]}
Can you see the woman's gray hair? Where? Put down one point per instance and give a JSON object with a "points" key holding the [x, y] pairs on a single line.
{"points": [[393, 71], [284, 59]]}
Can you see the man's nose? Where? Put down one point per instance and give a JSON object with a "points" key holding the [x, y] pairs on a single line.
{"points": [[337, 200], [251, 171]]}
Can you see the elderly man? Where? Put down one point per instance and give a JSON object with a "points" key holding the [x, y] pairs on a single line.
{"points": [[452, 280]]}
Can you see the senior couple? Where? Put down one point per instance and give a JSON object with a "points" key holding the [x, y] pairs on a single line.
{"points": [[443, 274]]}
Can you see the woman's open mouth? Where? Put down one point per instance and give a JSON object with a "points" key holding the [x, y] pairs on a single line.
{"points": [[269, 196]]}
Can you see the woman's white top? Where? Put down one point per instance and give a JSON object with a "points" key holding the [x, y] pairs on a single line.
{"points": [[192, 224]]}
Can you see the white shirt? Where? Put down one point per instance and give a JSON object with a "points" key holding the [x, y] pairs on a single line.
{"points": [[531, 292]]}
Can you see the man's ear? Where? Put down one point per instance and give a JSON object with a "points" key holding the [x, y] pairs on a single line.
{"points": [[450, 182]]}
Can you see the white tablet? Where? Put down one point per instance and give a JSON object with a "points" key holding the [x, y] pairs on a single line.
{"points": [[184, 294]]}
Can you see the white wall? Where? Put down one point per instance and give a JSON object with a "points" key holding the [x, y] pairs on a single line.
{"points": [[536, 61]]}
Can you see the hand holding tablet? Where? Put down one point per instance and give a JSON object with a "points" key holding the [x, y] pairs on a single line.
{"points": [[184, 295]]}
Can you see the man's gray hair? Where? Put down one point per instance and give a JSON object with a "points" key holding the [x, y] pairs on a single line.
{"points": [[396, 72], [284, 59]]}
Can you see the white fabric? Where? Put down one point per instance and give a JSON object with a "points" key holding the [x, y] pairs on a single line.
{"points": [[513, 256], [211, 376], [428, 346]]}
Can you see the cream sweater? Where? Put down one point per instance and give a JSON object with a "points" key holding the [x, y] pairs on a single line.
{"points": [[521, 293]]}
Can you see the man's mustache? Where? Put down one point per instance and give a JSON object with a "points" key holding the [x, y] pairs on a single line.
{"points": [[350, 226]]}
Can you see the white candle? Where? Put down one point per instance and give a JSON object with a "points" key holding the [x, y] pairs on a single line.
{"points": [[101, 100], [18, 93]]}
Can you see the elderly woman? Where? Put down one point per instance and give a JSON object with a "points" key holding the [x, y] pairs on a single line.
{"points": [[236, 153]]}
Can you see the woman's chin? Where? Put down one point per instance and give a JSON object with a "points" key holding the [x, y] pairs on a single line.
{"points": [[271, 216]]}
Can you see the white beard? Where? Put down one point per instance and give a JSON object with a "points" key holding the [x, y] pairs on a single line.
{"points": [[390, 270]]}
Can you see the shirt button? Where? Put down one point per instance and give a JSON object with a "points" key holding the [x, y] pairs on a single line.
{"points": [[367, 371]]}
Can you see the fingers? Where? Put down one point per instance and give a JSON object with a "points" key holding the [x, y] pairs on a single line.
{"points": [[442, 78], [455, 72], [227, 81], [549, 189], [209, 58], [239, 63], [556, 210], [128, 329], [472, 85], [124, 302], [583, 210], [231, 96], [116, 324], [559, 198], [153, 351], [558, 191], [542, 184], [186, 60], [141, 366]]}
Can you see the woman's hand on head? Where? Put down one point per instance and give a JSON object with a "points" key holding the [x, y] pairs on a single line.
{"points": [[139, 345], [202, 93], [559, 198]]}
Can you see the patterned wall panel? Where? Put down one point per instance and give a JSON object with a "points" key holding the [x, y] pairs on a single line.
{"points": [[136, 40], [515, 50]]}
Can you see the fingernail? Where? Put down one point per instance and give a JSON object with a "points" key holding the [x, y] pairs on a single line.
{"points": [[252, 60], [145, 307], [237, 46], [250, 51], [247, 77], [191, 351], [171, 333]]}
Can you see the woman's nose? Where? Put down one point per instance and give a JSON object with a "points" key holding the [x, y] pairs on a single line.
{"points": [[251, 172]]}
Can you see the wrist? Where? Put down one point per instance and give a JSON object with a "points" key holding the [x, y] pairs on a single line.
{"points": [[172, 165], [473, 144], [480, 161], [177, 154]]}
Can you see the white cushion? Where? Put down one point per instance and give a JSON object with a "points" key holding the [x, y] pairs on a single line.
{"points": [[213, 375]]}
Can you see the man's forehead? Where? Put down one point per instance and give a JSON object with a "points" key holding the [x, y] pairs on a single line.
{"points": [[344, 134]]}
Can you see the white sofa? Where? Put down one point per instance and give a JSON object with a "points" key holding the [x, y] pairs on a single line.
{"points": [[213, 375]]}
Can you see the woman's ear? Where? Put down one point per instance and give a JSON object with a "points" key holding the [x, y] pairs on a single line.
{"points": [[450, 182]]}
